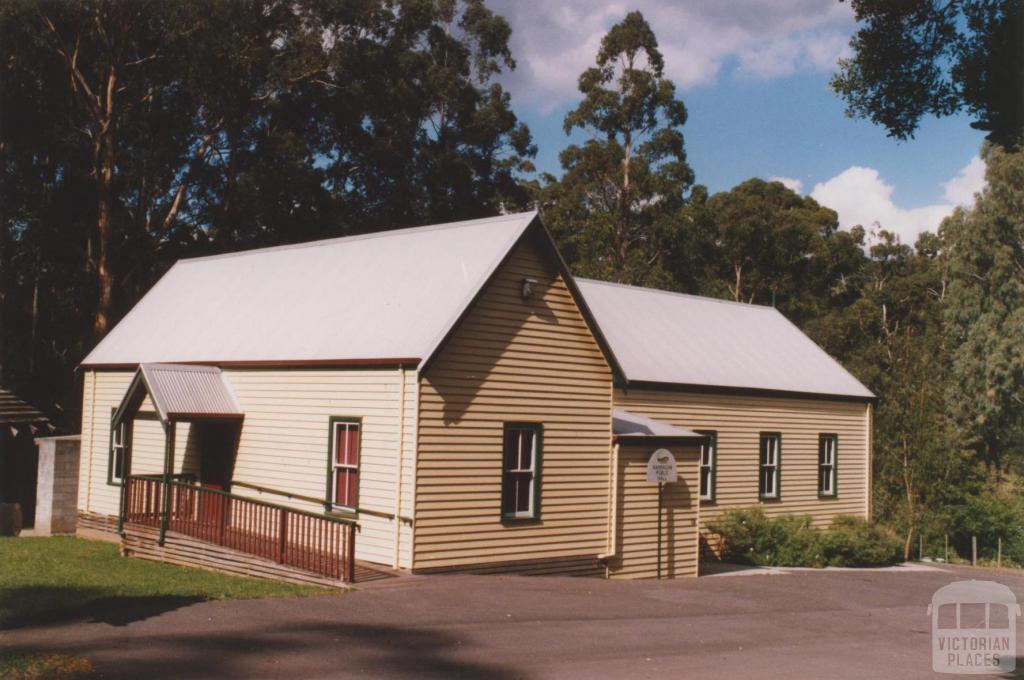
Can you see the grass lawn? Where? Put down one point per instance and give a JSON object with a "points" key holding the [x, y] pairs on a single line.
{"points": [[45, 580], [45, 667]]}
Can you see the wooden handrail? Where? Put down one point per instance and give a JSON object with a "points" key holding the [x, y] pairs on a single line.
{"points": [[277, 492], [310, 499]]}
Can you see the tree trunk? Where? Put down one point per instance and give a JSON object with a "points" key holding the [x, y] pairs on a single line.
{"points": [[909, 489], [105, 161]]}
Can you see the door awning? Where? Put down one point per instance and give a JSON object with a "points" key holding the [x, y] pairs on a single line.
{"points": [[187, 392], [628, 425]]}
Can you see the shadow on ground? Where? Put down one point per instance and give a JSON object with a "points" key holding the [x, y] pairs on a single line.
{"points": [[39, 605], [288, 651]]}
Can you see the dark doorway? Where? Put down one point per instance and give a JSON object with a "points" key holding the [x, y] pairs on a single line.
{"points": [[19, 462], [218, 443]]}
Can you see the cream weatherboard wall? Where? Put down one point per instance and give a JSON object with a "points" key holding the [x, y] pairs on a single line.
{"points": [[515, 360], [284, 443], [738, 421]]}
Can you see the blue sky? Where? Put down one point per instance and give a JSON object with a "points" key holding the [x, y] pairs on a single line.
{"points": [[754, 76]]}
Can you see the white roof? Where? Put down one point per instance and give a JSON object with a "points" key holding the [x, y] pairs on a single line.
{"points": [[179, 391], [387, 295], [664, 337], [629, 424]]}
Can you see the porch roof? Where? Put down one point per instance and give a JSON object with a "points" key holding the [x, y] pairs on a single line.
{"points": [[185, 392], [14, 411], [626, 424]]}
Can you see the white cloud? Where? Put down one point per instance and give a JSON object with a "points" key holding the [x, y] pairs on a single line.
{"points": [[860, 196], [790, 183], [969, 181], [554, 42]]}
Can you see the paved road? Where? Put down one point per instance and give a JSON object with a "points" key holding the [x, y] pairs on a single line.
{"points": [[861, 624]]}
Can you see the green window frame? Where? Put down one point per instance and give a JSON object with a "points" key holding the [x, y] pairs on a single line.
{"points": [[117, 449], [521, 456], [828, 465], [344, 464], [769, 478], [708, 466]]}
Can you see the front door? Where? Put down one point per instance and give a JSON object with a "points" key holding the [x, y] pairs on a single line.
{"points": [[217, 442]]}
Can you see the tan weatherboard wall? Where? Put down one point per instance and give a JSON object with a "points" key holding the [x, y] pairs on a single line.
{"points": [[514, 360], [739, 420], [636, 555], [284, 443]]}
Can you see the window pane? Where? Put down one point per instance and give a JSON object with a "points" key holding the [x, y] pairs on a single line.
{"points": [[705, 481], [525, 450], [353, 444], [340, 455], [345, 487], [353, 490], [523, 484], [511, 454]]}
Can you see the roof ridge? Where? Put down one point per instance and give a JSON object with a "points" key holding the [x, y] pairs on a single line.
{"points": [[747, 305], [384, 233]]}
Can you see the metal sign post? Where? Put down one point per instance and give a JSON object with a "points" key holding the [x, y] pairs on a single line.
{"points": [[661, 487], [661, 468]]}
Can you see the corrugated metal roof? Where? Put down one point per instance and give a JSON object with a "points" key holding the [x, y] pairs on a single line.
{"points": [[182, 392], [628, 424], [14, 411], [665, 337], [387, 295]]}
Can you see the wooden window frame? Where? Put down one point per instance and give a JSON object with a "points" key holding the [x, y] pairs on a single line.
{"points": [[533, 514], [822, 439], [776, 466], [712, 441], [331, 494]]}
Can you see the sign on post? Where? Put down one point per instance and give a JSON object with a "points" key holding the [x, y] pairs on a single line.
{"points": [[661, 467]]}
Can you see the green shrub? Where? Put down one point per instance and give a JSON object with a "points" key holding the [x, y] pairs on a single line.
{"points": [[855, 542], [751, 537]]}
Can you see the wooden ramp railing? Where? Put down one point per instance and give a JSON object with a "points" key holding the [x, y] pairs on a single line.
{"points": [[319, 544]]}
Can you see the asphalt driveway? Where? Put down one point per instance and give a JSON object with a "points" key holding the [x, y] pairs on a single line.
{"points": [[807, 624]]}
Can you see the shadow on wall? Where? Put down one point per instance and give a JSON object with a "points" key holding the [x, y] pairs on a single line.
{"points": [[487, 342], [42, 605], [307, 650]]}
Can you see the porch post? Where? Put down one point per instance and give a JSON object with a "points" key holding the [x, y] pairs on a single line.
{"points": [[125, 472], [168, 469]]}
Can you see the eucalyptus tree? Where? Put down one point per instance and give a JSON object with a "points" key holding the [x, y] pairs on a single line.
{"points": [[616, 207]]}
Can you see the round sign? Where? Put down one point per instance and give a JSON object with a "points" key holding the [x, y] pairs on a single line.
{"points": [[661, 467]]}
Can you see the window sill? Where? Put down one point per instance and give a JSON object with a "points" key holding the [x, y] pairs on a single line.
{"points": [[769, 499], [828, 496], [525, 519], [343, 513]]}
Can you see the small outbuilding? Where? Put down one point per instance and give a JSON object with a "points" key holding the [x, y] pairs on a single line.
{"points": [[19, 424]]}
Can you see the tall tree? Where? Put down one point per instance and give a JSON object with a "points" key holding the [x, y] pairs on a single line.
{"points": [[937, 57], [985, 314], [132, 134], [616, 206]]}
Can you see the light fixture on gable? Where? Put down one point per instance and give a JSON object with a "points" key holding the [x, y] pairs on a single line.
{"points": [[528, 287]]}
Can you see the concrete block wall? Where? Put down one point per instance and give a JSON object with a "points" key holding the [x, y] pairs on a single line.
{"points": [[57, 485]]}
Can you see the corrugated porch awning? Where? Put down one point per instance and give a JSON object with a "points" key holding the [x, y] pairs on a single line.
{"points": [[628, 425], [186, 392], [14, 411]]}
